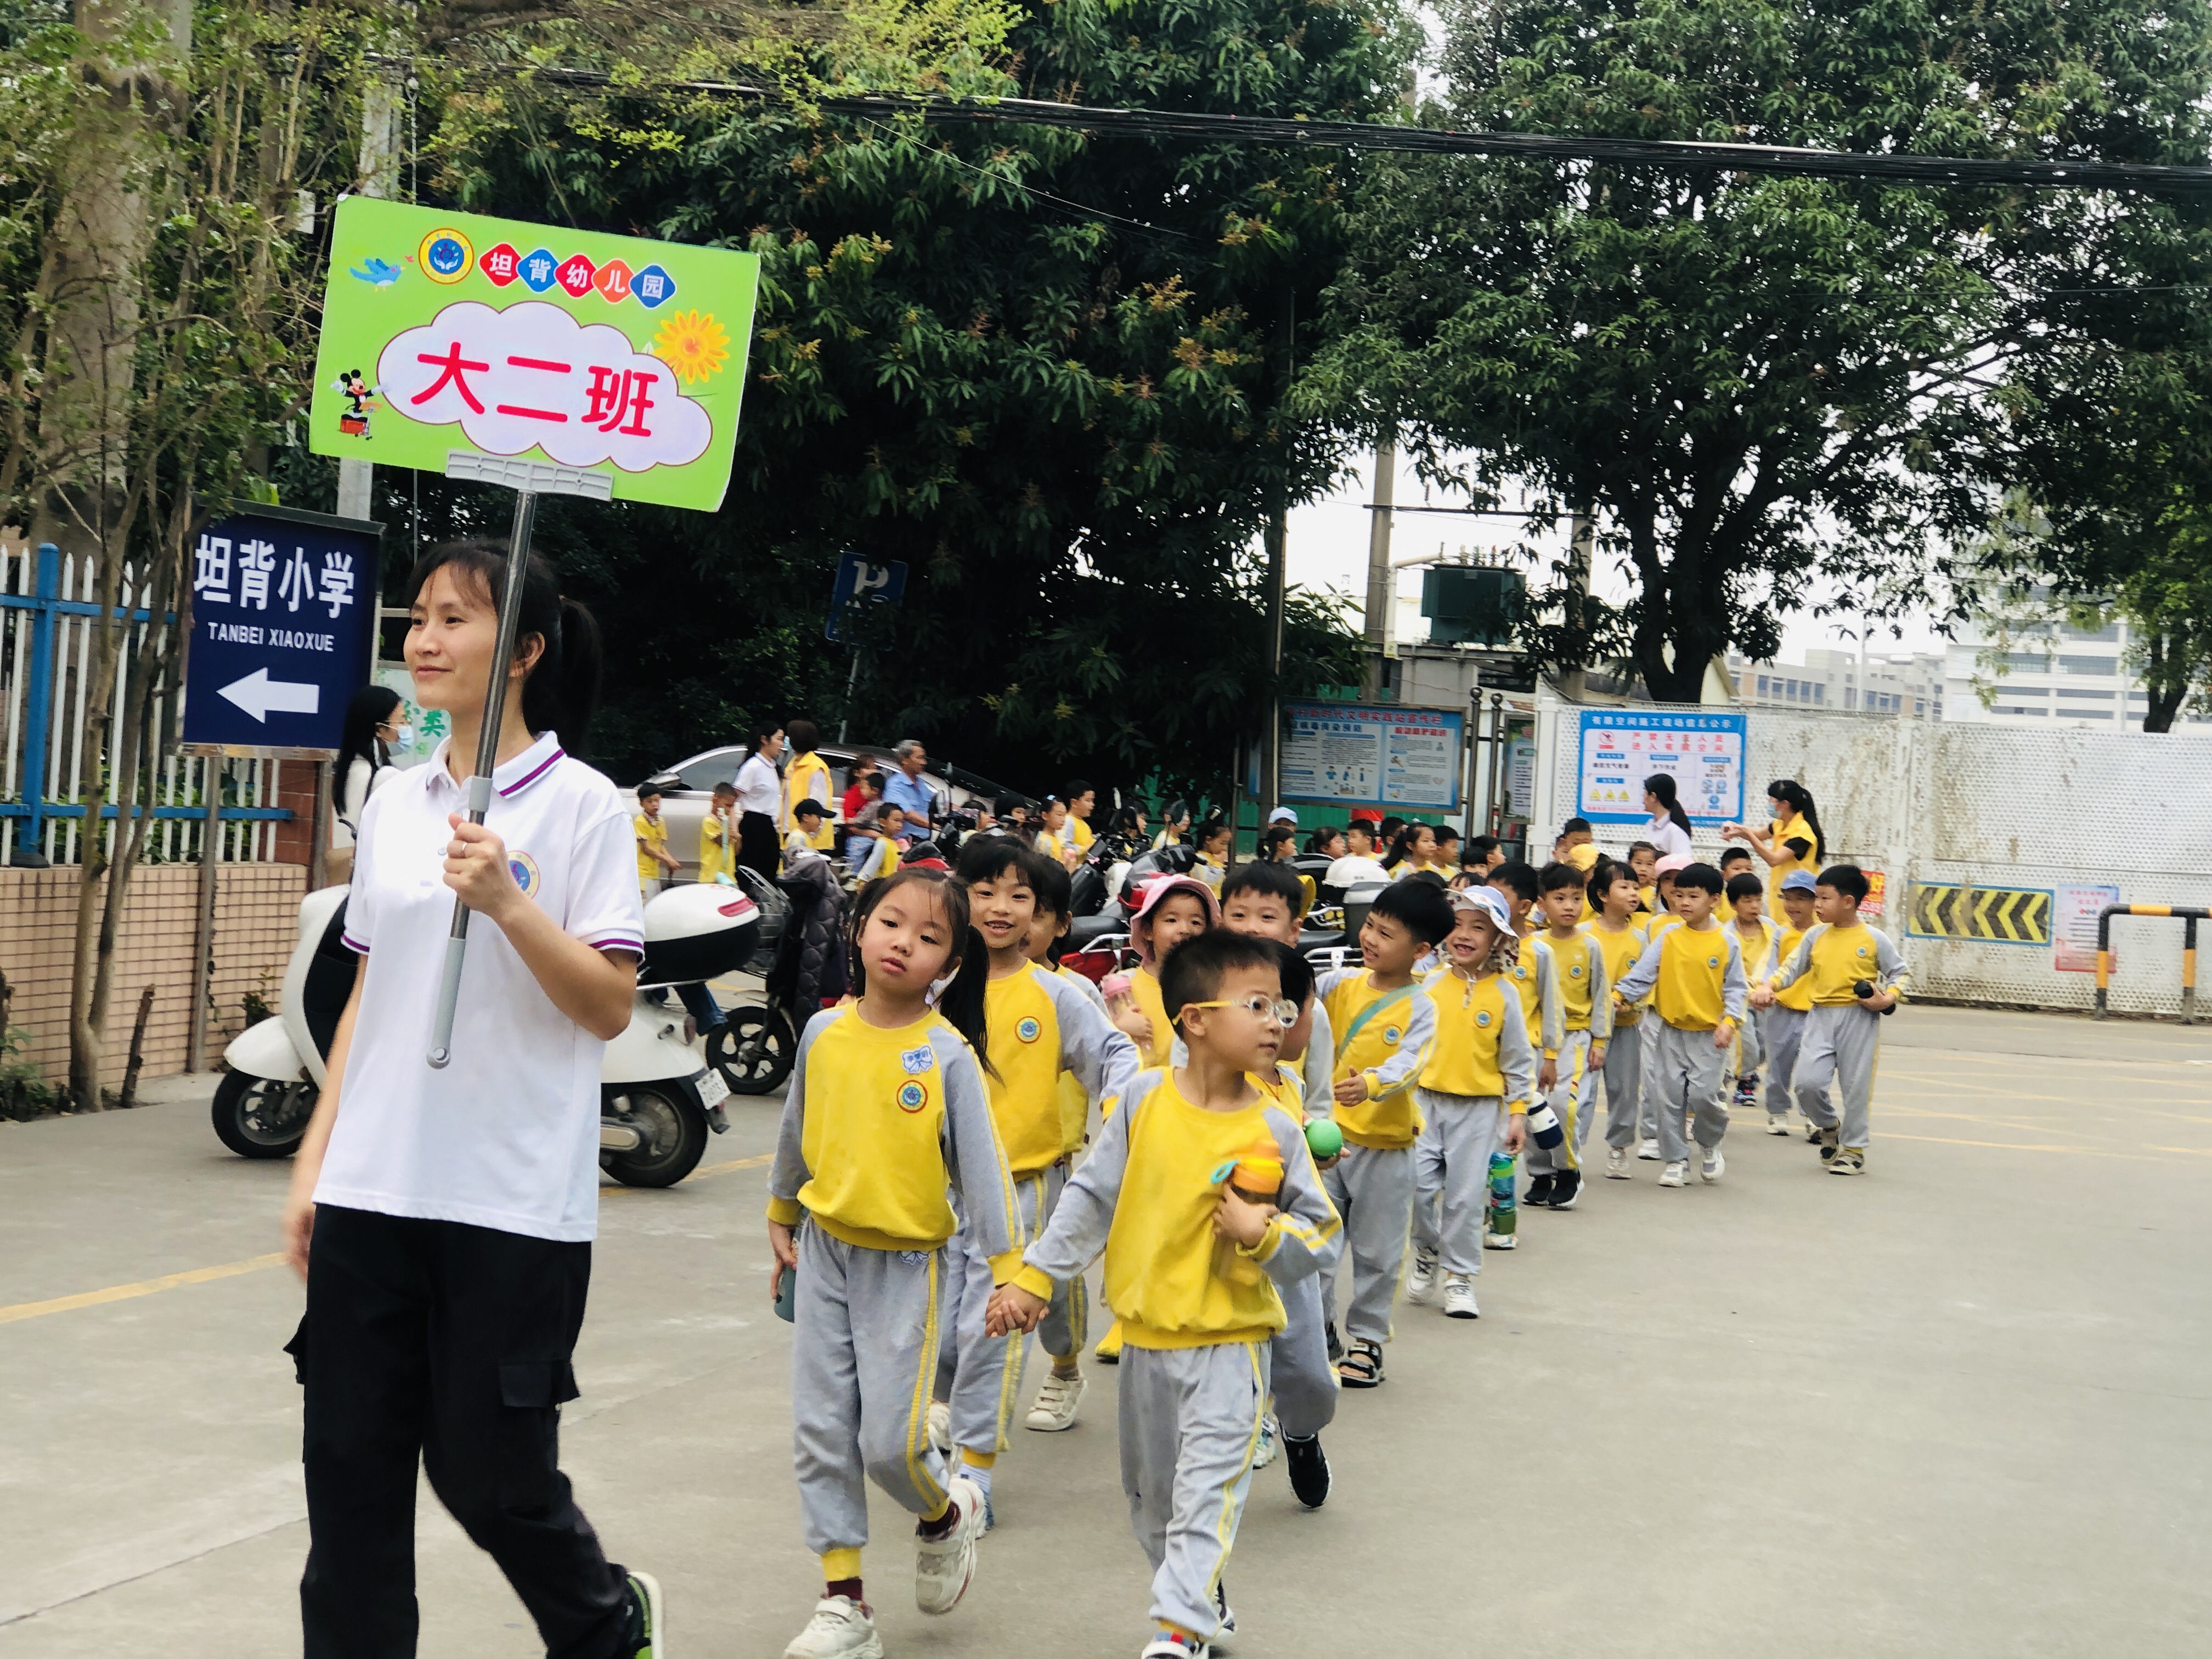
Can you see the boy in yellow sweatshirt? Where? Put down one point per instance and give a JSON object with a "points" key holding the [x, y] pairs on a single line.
{"points": [[1585, 1026], [1783, 1023], [1620, 935], [1473, 1094], [1192, 1266]]}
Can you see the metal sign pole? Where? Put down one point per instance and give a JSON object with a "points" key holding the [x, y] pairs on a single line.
{"points": [[479, 793]]}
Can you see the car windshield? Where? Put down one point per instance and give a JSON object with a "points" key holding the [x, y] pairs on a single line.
{"points": [[717, 766]]}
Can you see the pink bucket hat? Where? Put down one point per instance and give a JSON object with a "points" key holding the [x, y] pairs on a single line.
{"points": [[1156, 892]]}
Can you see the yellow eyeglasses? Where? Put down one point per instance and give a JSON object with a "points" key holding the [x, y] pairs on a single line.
{"points": [[1281, 1010]]}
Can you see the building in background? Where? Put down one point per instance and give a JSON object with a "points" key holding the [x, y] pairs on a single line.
{"points": [[2053, 674], [1909, 684]]}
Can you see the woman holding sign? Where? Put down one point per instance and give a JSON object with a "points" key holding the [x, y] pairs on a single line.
{"points": [[443, 1217]]}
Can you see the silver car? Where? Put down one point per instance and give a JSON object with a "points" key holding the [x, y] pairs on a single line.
{"points": [[688, 790]]}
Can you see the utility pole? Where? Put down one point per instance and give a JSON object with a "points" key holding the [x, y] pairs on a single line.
{"points": [[379, 176], [1277, 541], [1580, 547], [1382, 581]]}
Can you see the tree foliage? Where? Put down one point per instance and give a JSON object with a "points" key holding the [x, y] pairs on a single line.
{"points": [[1044, 372], [1752, 377]]}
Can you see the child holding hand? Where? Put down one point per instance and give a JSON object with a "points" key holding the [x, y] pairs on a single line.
{"points": [[1193, 1266]]}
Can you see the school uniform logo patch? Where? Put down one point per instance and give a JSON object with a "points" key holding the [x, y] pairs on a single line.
{"points": [[1482, 1017], [1575, 972], [1712, 962], [1391, 1034], [524, 869], [913, 1096], [1028, 1030], [918, 1060]]}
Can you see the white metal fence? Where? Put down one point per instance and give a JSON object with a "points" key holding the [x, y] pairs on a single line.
{"points": [[47, 615], [1979, 808]]}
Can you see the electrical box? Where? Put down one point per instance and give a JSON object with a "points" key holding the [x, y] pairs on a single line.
{"points": [[1472, 605]]}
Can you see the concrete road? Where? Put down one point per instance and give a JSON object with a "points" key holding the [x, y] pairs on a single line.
{"points": [[1959, 1407]]}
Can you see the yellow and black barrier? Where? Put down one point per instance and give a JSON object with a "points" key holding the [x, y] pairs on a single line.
{"points": [[2189, 917]]}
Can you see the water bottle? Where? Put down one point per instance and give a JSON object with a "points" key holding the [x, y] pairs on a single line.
{"points": [[1505, 1208], [1544, 1128]]}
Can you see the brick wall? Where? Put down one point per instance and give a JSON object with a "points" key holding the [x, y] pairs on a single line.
{"points": [[256, 914]]}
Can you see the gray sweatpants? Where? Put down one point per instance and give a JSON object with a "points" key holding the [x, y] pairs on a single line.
{"points": [[981, 1376], [1305, 1382], [1624, 1081], [1190, 1425], [1682, 1073], [864, 1340], [1372, 1188], [1451, 1175], [1784, 1030], [1569, 1093], [1839, 1048]]}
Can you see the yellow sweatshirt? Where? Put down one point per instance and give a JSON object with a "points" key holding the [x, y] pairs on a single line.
{"points": [[1698, 974], [1382, 1036], [1620, 951], [1145, 990], [1799, 995], [877, 1124], [1041, 1029], [1834, 959], [1147, 1195], [1482, 1047], [1585, 1002]]}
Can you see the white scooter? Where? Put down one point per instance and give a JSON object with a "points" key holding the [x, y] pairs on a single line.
{"points": [[658, 1101]]}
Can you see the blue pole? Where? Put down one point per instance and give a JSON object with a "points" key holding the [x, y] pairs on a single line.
{"points": [[39, 712]]}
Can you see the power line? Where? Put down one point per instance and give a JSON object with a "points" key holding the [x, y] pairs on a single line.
{"points": [[1297, 133]]}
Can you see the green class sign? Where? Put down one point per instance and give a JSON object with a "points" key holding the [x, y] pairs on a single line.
{"points": [[451, 334]]}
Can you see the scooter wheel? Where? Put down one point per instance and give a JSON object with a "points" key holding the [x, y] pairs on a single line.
{"points": [[755, 1050], [261, 1117], [671, 1129]]}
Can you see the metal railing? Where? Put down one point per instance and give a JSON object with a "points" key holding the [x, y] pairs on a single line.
{"points": [[2188, 918], [45, 658]]}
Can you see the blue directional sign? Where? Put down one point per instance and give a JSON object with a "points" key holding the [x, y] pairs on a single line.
{"points": [[863, 581], [282, 605]]}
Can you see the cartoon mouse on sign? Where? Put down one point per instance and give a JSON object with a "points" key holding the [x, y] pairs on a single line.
{"points": [[353, 385]]}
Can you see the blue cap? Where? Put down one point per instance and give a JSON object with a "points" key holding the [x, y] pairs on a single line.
{"points": [[1797, 881]]}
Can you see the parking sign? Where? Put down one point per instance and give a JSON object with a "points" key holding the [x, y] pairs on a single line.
{"points": [[282, 604], [863, 581]]}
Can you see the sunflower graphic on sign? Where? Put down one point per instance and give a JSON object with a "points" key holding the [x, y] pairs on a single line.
{"points": [[694, 344]]}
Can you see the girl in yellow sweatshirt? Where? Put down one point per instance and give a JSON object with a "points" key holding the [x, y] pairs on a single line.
{"points": [[887, 1110]]}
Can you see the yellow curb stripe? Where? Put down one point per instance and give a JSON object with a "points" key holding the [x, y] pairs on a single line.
{"points": [[144, 1287]]}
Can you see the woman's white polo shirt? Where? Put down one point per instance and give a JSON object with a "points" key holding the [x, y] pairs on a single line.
{"points": [[507, 1136]]}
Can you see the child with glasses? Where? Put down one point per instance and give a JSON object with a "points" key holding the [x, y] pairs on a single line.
{"points": [[1202, 1194]]}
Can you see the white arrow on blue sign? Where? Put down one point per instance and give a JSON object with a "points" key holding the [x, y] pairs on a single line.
{"points": [[260, 696]]}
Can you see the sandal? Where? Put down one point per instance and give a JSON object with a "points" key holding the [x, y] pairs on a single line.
{"points": [[1362, 1365]]}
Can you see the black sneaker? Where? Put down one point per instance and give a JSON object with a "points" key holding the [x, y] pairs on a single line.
{"points": [[1335, 1344], [1567, 1190], [1309, 1470], [1540, 1191]]}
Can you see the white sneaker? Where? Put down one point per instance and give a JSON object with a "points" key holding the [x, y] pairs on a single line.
{"points": [[1616, 1164], [1166, 1647], [1271, 1445], [1777, 1126], [840, 1628], [1649, 1152], [1459, 1296], [943, 1566], [1421, 1282], [1713, 1167], [1501, 1241], [940, 1425], [1055, 1404], [1676, 1174]]}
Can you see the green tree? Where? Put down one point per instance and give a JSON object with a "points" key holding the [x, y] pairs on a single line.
{"points": [[1752, 377], [1042, 370]]}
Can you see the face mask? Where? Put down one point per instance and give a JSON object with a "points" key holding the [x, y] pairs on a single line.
{"points": [[403, 736]]}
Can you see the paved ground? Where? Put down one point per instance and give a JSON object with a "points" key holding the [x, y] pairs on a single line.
{"points": [[1959, 1407]]}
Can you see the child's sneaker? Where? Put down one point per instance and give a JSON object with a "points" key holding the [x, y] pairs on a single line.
{"points": [[1649, 1152], [1812, 1132], [944, 1564], [1676, 1174], [1362, 1365], [1308, 1467], [1228, 1625], [1567, 1190], [652, 1636], [1055, 1404], [1335, 1344], [840, 1628], [1828, 1140], [1270, 1446], [1746, 1094], [1616, 1164], [1539, 1190], [1169, 1645], [1848, 1160], [1459, 1297], [1501, 1241], [1421, 1281], [940, 1425], [1714, 1167], [1777, 1126]]}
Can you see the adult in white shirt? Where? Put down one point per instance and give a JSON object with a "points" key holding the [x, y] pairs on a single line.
{"points": [[760, 800], [364, 766], [1669, 828], [443, 1219]]}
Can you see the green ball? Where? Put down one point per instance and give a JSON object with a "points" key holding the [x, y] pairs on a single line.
{"points": [[1323, 1139]]}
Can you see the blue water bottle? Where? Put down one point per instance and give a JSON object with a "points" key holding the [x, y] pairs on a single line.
{"points": [[1503, 1215]]}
